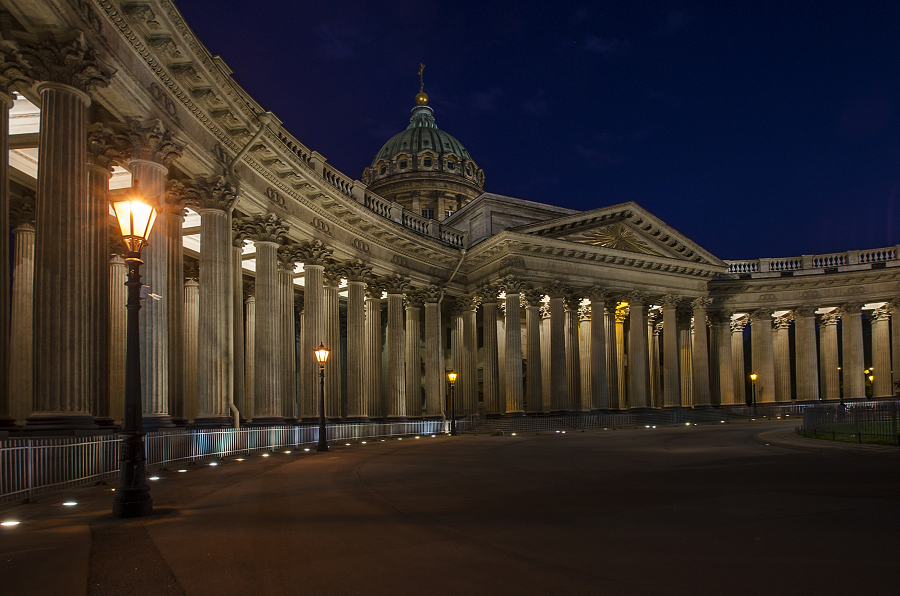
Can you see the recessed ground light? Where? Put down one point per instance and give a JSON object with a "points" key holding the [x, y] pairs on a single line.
{"points": [[70, 503], [723, 422], [653, 427], [433, 436], [514, 434], [154, 478], [648, 426], [265, 455], [287, 451], [557, 431], [687, 423], [400, 439], [213, 463], [306, 450], [382, 440], [239, 459], [363, 442], [9, 523], [348, 444], [182, 470]]}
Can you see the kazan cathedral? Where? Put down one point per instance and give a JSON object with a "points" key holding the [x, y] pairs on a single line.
{"points": [[262, 251]]}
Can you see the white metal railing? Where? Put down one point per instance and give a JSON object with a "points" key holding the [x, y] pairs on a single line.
{"points": [[815, 262], [29, 467]]}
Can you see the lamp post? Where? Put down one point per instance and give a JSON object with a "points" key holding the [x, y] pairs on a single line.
{"points": [[451, 378], [753, 383], [321, 357], [133, 494]]}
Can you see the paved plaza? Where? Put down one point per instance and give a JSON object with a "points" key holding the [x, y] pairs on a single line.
{"points": [[679, 510]]}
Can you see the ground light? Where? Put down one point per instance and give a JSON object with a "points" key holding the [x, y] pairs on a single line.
{"points": [[70, 503], [286, 452], [182, 470], [154, 478], [239, 459], [307, 449], [265, 455], [9, 523]]}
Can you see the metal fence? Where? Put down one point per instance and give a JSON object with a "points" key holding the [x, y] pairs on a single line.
{"points": [[863, 422], [30, 467]]}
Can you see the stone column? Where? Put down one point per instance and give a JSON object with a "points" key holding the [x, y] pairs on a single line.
{"points": [[599, 380], [782, 357], [469, 354], [434, 354], [213, 199], [191, 337], [314, 256], [639, 373], [721, 322], [356, 273], [373, 389], [700, 354], [68, 71], [685, 358], [501, 349], [490, 377], [572, 403], [671, 380], [895, 342], [881, 352], [584, 352], [612, 353], [118, 296], [395, 400], [266, 231], [414, 301], [534, 387], [174, 213], [807, 360], [7, 416], [249, 351], [333, 274], [763, 359], [558, 378], [545, 356], [851, 334], [21, 317], [622, 364], [237, 324], [653, 333], [286, 361], [831, 374], [737, 359]]}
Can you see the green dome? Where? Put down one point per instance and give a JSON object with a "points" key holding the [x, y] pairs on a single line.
{"points": [[422, 134]]}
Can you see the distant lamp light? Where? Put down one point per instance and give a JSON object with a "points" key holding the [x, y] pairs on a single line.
{"points": [[451, 376], [322, 354], [135, 218], [752, 376]]}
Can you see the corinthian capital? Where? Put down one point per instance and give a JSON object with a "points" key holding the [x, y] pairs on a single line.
{"points": [[637, 298], [394, 284], [314, 253], [699, 303], [556, 289], [511, 284], [215, 192], [262, 228], [532, 297], [333, 274], [12, 72], [150, 141], [103, 149], [356, 270], [21, 212], [488, 293], [60, 58]]}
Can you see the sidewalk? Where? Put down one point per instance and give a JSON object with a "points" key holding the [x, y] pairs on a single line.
{"points": [[788, 437]]}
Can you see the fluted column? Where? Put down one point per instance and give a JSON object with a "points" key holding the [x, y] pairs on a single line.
{"points": [[763, 358], [700, 353], [314, 256], [584, 352], [671, 379], [571, 302], [395, 400], [685, 358], [373, 389], [546, 402], [266, 232], [559, 385], [237, 323], [7, 416], [501, 350], [212, 199], [356, 273], [637, 351], [737, 359], [286, 361], [469, 354], [612, 353], [533, 389], [831, 374], [191, 337], [781, 351], [249, 351], [413, 301], [599, 381], [806, 357], [434, 354], [118, 296], [654, 328], [622, 363], [881, 352], [852, 339], [722, 329], [174, 214], [894, 305], [21, 345], [454, 310], [490, 372], [333, 274]]}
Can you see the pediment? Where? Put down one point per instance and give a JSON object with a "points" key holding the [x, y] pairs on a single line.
{"points": [[627, 227]]}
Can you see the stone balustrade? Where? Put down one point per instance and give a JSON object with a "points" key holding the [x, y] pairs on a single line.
{"points": [[853, 260]]}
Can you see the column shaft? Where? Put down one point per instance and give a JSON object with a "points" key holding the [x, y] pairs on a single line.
{"points": [[267, 404], [533, 391], [881, 353], [98, 322], [191, 338], [237, 329], [612, 356], [726, 361], [373, 390], [434, 361], [763, 359], [175, 273], [781, 350], [287, 348], [584, 352], [118, 320], [622, 364], [5, 310], [807, 360], [638, 353], [470, 361], [852, 368], [671, 380], [512, 354], [356, 351], [333, 384], [490, 376], [21, 320], [413, 361], [737, 360], [546, 380], [831, 374], [599, 381], [572, 400], [314, 334], [685, 359], [250, 359], [700, 353]]}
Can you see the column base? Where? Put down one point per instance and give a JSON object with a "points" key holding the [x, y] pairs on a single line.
{"points": [[105, 422], [357, 419], [432, 418], [7, 422], [396, 419], [291, 421], [702, 407], [60, 422], [179, 421], [212, 422], [514, 414], [154, 422], [266, 421], [309, 420]]}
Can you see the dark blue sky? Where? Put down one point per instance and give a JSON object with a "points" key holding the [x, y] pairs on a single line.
{"points": [[757, 129]]}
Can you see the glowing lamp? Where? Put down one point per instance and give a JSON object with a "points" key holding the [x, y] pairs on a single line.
{"points": [[135, 218], [752, 376], [451, 376], [322, 355]]}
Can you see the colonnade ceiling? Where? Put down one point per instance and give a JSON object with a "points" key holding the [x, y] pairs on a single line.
{"points": [[625, 227]]}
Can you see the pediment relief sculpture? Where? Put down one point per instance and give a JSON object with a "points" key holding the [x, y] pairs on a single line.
{"points": [[616, 236]]}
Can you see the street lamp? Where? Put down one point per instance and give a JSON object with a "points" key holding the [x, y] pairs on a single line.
{"points": [[321, 357], [133, 495], [753, 383], [451, 378]]}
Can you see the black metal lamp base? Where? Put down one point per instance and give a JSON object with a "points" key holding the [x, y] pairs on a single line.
{"points": [[130, 503]]}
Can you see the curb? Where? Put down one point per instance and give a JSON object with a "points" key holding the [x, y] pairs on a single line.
{"points": [[790, 439]]}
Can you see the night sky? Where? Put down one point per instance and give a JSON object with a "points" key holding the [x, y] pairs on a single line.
{"points": [[757, 129]]}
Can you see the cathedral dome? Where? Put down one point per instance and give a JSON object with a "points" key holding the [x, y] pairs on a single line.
{"points": [[424, 168]]}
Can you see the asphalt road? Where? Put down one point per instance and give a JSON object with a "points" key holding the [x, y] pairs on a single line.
{"points": [[677, 510]]}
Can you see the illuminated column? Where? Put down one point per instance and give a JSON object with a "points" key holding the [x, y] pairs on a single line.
{"points": [[763, 362], [781, 351], [612, 354], [654, 328], [851, 334], [881, 352], [700, 353], [469, 354], [237, 313], [62, 287], [373, 389], [332, 282], [685, 357], [584, 351], [174, 213], [737, 359], [807, 361], [558, 378], [413, 368], [534, 387], [191, 334], [118, 296], [7, 415], [831, 374], [434, 354], [722, 330], [314, 256], [572, 401], [21, 345], [266, 232], [671, 381], [894, 305], [490, 377], [356, 273], [286, 359], [501, 350], [249, 351], [545, 356], [622, 313], [639, 374], [395, 286]]}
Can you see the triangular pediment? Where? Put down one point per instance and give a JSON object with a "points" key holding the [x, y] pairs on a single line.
{"points": [[626, 226]]}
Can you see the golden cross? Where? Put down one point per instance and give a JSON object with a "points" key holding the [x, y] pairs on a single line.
{"points": [[421, 80]]}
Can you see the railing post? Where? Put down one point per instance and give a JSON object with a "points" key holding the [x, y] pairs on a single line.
{"points": [[30, 470]]}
